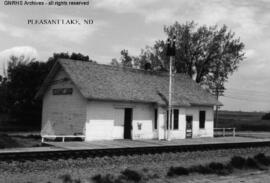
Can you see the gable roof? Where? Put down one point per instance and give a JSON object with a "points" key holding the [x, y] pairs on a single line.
{"points": [[105, 82]]}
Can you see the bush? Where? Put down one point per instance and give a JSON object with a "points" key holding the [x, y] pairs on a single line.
{"points": [[261, 158], [266, 116], [238, 162], [108, 178], [67, 179], [219, 168], [216, 166], [251, 163], [201, 169], [177, 171], [132, 175]]}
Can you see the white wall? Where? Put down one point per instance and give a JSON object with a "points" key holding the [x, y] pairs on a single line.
{"points": [[180, 133], [208, 131], [63, 114], [104, 120]]}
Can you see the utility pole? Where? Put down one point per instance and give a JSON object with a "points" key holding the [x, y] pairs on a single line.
{"points": [[171, 54], [217, 90]]}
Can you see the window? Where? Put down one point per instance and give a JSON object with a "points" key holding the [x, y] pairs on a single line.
{"points": [[202, 119], [175, 119], [156, 119]]}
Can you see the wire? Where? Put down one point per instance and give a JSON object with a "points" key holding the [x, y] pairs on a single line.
{"points": [[246, 100], [248, 90]]}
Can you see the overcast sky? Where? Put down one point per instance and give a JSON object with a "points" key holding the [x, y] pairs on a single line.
{"points": [[133, 24]]}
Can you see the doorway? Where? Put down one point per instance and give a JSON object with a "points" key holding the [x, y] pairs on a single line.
{"points": [[189, 120], [127, 123]]}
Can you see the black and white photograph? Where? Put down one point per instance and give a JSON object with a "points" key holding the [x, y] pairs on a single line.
{"points": [[134, 91]]}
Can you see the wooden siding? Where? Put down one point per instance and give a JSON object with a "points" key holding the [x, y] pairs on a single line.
{"points": [[63, 114]]}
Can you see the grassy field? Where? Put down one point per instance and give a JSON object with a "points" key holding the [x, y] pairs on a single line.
{"points": [[19, 141], [243, 121], [8, 124]]}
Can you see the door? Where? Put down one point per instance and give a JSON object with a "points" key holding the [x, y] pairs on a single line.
{"points": [[189, 120], [127, 123]]}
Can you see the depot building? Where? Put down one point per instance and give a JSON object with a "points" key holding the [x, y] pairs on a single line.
{"points": [[102, 102]]}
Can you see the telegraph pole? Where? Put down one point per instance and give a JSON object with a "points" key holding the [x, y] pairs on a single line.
{"points": [[171, 54]]}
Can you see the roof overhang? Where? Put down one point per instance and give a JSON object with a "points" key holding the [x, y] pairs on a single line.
{"points": [[46, 83]]}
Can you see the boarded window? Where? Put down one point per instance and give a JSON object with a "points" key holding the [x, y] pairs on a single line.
{"points": [[119, 117], [62, 91], [175, 119], [202, 119], [156, 119]]}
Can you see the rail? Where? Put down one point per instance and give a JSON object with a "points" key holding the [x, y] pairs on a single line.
{"points": [[218, 132], [123, 151]]}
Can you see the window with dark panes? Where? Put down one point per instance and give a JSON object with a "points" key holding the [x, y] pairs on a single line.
{"points": [[202, 119], [175, 119], [156, 119]]}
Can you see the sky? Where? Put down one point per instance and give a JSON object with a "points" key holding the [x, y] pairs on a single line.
{"points": [[133, 24]]}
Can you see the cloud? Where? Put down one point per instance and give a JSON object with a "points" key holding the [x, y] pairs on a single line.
{"points": [[72, 33], [123, 6], [10, 29], [27, 51], [160, 15], [241, 17], [42, 33], [3, 15]]}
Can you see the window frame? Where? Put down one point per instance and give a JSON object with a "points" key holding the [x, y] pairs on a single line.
{"points": [[155, 119], [202, 119], [172, 127], [175, 122]]}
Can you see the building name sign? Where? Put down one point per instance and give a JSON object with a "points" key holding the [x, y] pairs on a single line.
{"points": [[62, 91]]}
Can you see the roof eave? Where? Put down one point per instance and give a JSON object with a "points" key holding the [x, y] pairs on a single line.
{"points": [[47, 81]]}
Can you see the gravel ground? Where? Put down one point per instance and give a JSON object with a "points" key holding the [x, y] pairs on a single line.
{"points": [[44, 171]]}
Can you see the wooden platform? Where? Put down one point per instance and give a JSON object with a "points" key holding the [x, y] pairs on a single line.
{"points": [[112, 144], [133, 144]]}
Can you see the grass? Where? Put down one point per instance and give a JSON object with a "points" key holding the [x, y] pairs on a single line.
{"points": [[151, 168], [7, 141], [243, 121], [236, 162]]}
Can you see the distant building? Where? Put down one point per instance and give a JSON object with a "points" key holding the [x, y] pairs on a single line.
{"points": [[107, 102]]}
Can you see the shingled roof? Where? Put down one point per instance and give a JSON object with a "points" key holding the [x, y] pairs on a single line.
{"points": [[104, 82]]}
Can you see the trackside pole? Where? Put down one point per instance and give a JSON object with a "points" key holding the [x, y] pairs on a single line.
{"points": [[170, 101], [171, 53]]}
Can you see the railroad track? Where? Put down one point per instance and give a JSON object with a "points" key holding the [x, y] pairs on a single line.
{"points": [[85, 153]]}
